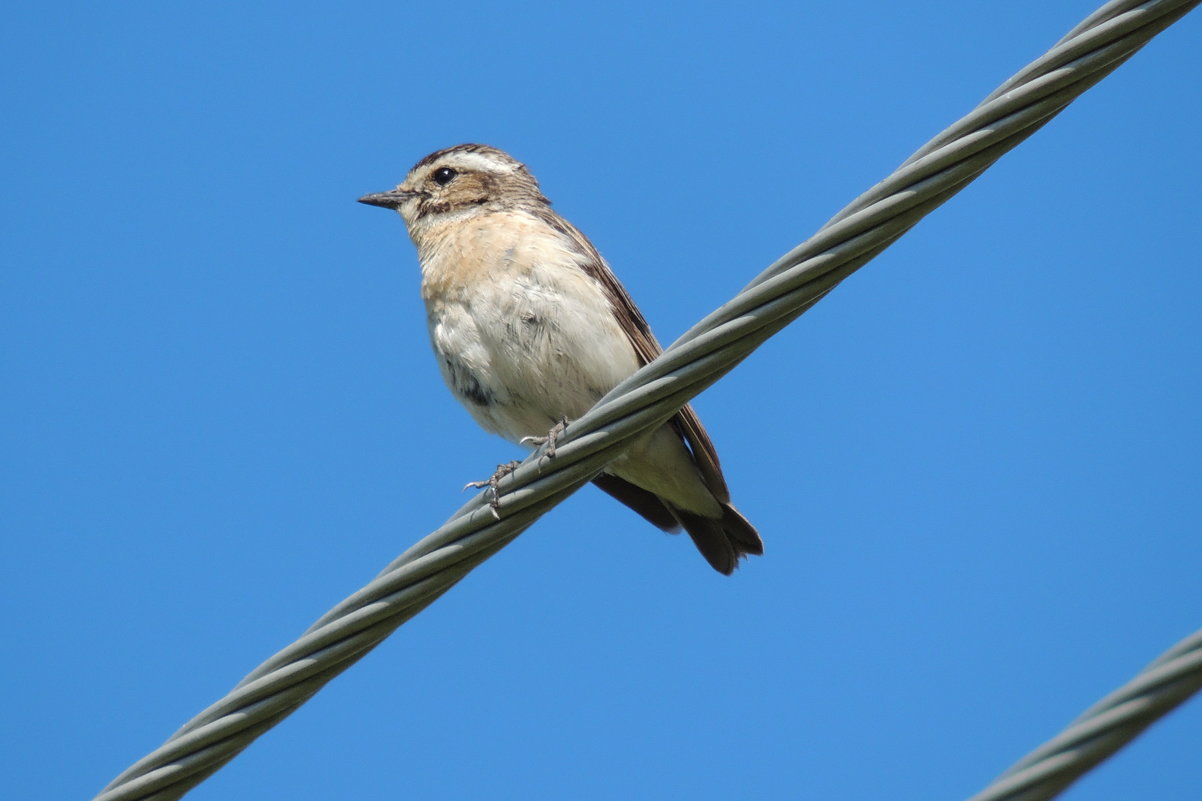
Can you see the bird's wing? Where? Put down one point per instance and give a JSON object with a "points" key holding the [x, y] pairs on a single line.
{"points": [[686, 422]]}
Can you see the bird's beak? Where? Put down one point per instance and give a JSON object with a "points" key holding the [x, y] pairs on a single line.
{"points": [[391, 199]]}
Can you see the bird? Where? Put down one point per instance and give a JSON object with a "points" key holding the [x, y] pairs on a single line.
{"points": [[531, 327]]}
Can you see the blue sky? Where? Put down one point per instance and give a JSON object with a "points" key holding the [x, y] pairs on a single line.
{"points": [[975, 465]]}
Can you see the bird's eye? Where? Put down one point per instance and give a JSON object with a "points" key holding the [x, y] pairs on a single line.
{"points": [[444, 175]]}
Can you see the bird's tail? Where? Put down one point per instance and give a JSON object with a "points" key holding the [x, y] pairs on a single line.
{"points": [[722, 541]]}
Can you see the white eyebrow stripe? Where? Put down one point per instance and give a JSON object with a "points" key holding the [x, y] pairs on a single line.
{"points": [[485, 162]]}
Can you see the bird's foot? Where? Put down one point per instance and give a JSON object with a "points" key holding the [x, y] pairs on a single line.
{"points": [[492, 482], [552, 437]]}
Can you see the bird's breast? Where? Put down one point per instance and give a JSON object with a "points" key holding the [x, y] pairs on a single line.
{"points": [[523, 334]]}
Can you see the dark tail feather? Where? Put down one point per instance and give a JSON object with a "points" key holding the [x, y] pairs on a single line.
{"points": [[722, 541], [647, 504]]}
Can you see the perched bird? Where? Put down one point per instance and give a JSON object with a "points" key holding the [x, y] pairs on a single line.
{"points": [[531, 328]]}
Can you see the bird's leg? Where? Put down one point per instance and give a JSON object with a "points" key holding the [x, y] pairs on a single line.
{"points": [[492, 482], [552, 437]]}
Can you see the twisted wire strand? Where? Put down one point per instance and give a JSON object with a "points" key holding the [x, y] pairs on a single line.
{"points": [[705, 353], [1103, 728]]}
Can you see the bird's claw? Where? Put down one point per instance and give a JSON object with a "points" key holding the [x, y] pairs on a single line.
{"points": [[552, 437], [492, 482]]}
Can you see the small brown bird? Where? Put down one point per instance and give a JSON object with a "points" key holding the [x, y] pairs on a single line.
{"points": [[531, 328]]}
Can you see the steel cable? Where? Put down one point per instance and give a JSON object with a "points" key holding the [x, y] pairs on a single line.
{"points": [[1103, 728]]}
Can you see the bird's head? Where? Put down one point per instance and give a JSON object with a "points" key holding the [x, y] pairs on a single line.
{"points": [[457, 183]]}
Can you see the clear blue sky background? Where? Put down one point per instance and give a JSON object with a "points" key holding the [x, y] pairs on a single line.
{"points": [[975, 465]]}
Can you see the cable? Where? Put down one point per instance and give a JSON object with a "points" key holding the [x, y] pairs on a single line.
{"points": [[1104, 728]]}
